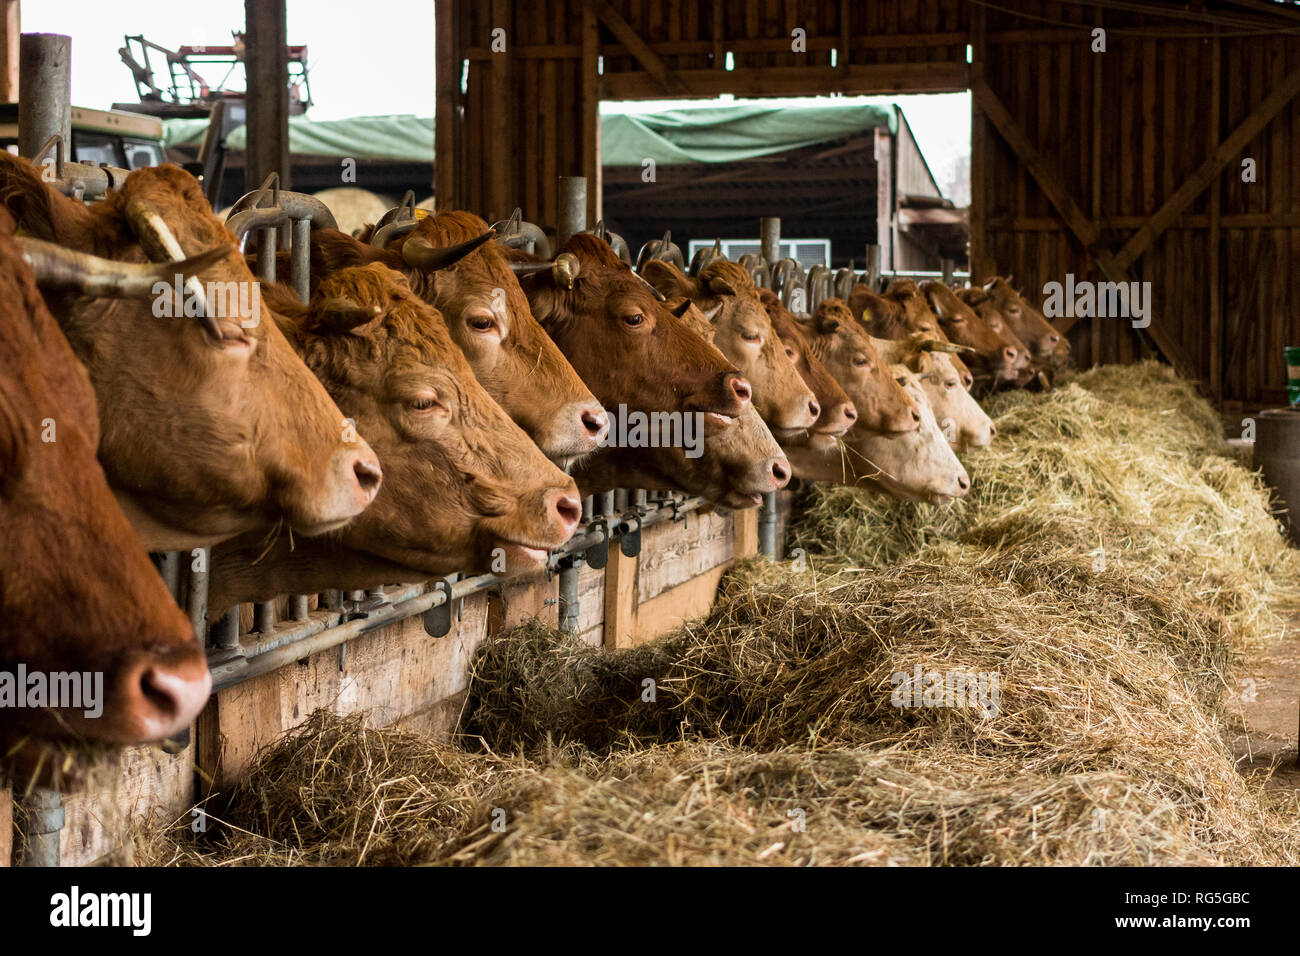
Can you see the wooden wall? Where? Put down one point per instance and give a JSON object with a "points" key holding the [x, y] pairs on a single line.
{"points": [[1073, 152]]}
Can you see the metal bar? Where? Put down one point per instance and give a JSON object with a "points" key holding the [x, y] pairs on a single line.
{"points": [[196, 605], [767, 526], [947, 266], [573, 208], [45, 100], [224, 634], [264, 617], [569, 594], [299, 608], [300, 260], [44, 811], [169, 567], [266, 63], [873, 265], [769, 233], [267, 241]]}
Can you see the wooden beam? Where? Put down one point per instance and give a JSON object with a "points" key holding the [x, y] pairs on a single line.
{"points": [[978, 147], [447, 82], [1209, 170], [1214, 290], [648, 58], [859, 79], [620, 599], [591, 164], [10, 29]]}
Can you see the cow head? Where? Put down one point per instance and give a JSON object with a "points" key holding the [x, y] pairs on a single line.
{"points": [[211, 426], [461, 478], [725, 293], [995, 355], [1044, 342], [846, 350], [901, 313], [960, 417], [918, 465], [837, 412], [489, 318], [77, 592], [627, 347]]}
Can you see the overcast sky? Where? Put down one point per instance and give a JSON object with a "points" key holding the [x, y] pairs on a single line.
{"points": [[362, 65]]}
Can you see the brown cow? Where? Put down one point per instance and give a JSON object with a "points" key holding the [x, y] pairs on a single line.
{"points": [[960, 417], [743, 332], [212, 427], [845, 349], [996, 354], [899, 314], [1045, 343], [482, 303], [77, 591], [627, 347], [734, 467], [461, 478], [837, 412]]}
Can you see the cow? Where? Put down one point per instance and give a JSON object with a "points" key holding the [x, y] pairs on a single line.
{"points": [[78, 594], [960, 417], [899, 314], [917, 464], [742, 331], [465, 487], [212, 426], [837, 411], [736, 467], [1045, 344], [625, 345], [996, 353], [482, 303]]}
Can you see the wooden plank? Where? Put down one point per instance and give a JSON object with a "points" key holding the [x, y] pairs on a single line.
{"points": [[10, 30], [1206, 173], [676, 551], [1213, 290], [745, 532], [979, 145], [447, 88], [620, 599], [930, 77], [674, 607], [590, 93], [6, 826], [650, 61]]}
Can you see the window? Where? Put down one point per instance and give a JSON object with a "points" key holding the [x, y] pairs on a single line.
{"points": [[808, 252]]}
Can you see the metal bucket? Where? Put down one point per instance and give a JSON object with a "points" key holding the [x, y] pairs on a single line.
{"points": [[1277, 454]]}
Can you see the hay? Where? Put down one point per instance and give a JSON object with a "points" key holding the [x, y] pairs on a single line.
{"points": [[1106, 570]]}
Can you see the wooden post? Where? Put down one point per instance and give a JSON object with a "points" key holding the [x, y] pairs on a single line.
{"points": [[620, 599], [500, 111], [6, 826], [267, 65], [1215, 290], [447, 82], [745, 525], [979, 143], [591, 112], [9, 33]]}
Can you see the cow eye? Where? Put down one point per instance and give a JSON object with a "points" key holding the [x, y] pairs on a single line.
{"points": [[751, 336], [424, 403], [901, 380], [968, 381], [481, 323], [791, 353], [633, 319], [1014, 310], [861, 361], [951, 383]]}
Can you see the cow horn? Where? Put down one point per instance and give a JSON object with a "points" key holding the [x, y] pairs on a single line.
{"points": [[653, 291], [343, 315], [60, 268], [566, 269], [419, 253], [161, 245], [938, 345]]}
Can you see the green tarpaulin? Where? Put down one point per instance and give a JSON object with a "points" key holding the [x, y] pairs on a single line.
{"points": [[729, 134], [706, 135], [408, 138]]}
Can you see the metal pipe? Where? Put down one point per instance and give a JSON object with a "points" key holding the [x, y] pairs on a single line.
{"points": [[299, 608], [45, 100], [196, 604], [769, 235], [573, 208], [44, 811], [300, 259], [266, 64], [224, 634], [267, 241], [264, 617], [169, 567], [569, 594], [767, 526], [947, 266], [873, 265]]}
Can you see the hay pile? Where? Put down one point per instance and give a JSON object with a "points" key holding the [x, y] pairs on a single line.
{"points": [[1104, 571]]}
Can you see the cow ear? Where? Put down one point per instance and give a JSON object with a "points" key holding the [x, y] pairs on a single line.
{"points": [[670, 280], [341, 314], [40, 209], [720, 285]]}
